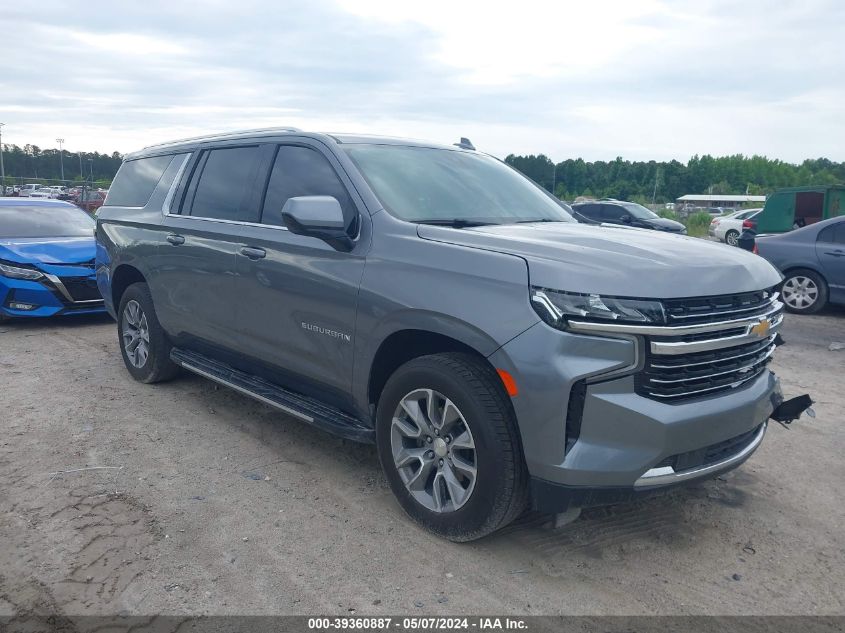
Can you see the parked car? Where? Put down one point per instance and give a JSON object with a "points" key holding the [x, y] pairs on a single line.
{"points": [[90, 200], [796, 207], [626, 213], [43, 192], [46, 259], [28, 189], [812, 260], [728, 229], [434, 301]]}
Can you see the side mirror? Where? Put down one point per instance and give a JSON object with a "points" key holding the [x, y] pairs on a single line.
{"points": [[317, 216], [626, 219]]}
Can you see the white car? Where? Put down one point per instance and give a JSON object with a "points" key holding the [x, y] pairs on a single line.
{"points": [[729, 227], [28, 189], [43, 192]]}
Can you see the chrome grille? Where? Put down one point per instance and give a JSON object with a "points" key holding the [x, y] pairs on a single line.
{"points": [[709, 345], [719, 308], [687, 375]]}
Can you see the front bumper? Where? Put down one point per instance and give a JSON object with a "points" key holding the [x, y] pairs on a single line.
{"points": [[48, 296], [624, 440]]}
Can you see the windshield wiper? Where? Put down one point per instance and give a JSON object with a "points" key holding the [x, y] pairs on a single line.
{"points": [[535, 220], [455, 223]]}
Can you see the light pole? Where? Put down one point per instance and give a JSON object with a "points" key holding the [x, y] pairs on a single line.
{"points": [[81, 173], [2, 169], [554, 177], [61, 141], [91, 172]]}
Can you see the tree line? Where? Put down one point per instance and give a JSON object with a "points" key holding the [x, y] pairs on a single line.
{"points": [[642, 181], [30, 162], [647, 181]]}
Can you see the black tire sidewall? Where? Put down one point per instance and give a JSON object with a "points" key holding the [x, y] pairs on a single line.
{"points": [[158, 364], [821, 284], [492, 461]]}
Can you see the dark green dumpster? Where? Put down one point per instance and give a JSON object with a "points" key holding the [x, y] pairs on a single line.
{"points": [[792, 208]]}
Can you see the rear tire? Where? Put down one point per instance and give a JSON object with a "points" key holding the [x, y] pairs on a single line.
{"points": [[732, 238], [143, 343], [448, 443], [804, 291]]}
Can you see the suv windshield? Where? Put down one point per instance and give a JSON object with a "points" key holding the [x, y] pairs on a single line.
{"points": [[428, 185], [43, 221], [639, 211]]}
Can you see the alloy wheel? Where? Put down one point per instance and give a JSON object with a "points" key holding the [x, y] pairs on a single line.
{"points": [[732, 238], [800, 292], [135, 334], [433, 450]]}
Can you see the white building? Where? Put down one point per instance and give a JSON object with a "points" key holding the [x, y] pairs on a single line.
{"points": [[719, 200]]}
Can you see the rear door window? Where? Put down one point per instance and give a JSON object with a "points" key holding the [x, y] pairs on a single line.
{"points": [[136, 180], [612, 212], [833, 234], [302, 171], [223, 185]]}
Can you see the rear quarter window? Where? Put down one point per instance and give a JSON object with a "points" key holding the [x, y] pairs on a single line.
{"points": [[136, 180]]}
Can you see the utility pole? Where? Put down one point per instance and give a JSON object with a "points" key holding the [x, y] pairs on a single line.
{"points": [[656, 178], [61, 141], [2, 169], [81, 173], [91, 171], [554, 176]]}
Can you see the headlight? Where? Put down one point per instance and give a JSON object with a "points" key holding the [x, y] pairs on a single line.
{"points": [[7, 270], [555, 307]]}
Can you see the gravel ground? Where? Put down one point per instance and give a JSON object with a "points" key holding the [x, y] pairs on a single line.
{"points": [[206, 502]]}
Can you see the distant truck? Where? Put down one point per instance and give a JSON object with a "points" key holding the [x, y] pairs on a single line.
{"points": [[792, 208]]}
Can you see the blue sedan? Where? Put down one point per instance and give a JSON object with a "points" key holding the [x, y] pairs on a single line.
{"points": [[46, 259], [812, 260]]}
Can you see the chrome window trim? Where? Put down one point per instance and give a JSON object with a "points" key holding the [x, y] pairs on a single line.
{"points": [[221, 221], [168, 199], [667, 475]]}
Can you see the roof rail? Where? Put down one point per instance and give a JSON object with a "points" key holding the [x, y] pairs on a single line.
{"points": [[205, 137]]}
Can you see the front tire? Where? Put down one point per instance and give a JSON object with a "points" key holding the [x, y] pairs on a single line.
{"points": [[732, 238], [143, 343], [448, 443], [804, 291]]}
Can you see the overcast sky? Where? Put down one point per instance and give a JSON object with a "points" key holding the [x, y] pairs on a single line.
{"points": [[642, 79]]}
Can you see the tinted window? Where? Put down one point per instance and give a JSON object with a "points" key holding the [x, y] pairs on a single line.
{"points": [[45, 221], [136, 180], [226, 181], [301, 171], [834, 234], [613, 212], [592, 211]]}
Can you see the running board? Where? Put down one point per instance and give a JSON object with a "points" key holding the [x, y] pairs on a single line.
{"points": [[303, 407]]}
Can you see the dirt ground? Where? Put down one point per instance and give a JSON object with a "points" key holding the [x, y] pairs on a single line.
{"points": [[206, 502]]}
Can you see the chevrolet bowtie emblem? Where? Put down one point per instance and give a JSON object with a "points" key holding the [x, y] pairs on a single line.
{"points": [[761, 329]]}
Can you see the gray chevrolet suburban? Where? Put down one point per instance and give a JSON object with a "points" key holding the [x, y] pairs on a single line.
{"points": [[434, 301]]}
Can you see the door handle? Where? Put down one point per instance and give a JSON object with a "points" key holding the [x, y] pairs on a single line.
{"points": [[835, 253], [253, 253], [174, 239]]}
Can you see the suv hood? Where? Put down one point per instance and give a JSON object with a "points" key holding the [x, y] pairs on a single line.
{"points": [[47, 250], [620, 261]]}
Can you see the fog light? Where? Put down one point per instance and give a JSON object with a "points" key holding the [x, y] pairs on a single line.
{"points": [[16, 305]]}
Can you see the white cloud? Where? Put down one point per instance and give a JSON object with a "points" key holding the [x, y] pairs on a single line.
{"points": [[647, 79]]}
